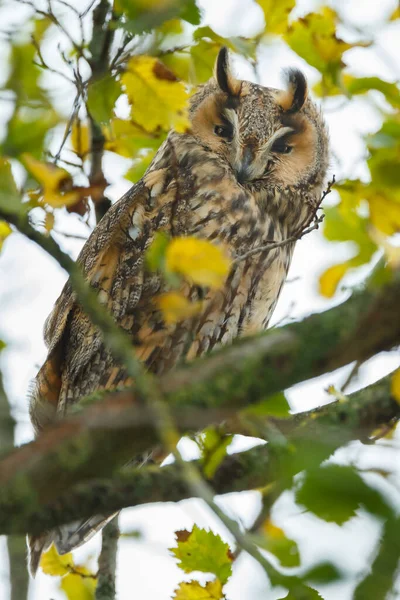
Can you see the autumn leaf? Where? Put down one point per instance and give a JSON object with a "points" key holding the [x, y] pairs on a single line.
{"points": [[158, 99], [204, 551], [49, 222], [395, 386], [52, 180], [194, 591], [5, 231], [276, 14], [384, 213], [53, 563], [314, 38], [80, 139], [129, 139], [175, 307], [330, 279], [199, 260], [79, 586]]}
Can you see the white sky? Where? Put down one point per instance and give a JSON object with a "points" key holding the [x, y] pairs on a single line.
{"points": [[30, 282]]}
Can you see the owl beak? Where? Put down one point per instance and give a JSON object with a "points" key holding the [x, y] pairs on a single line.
{"points": [[246, 165]]}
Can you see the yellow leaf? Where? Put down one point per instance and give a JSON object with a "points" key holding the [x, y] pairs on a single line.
{"points": [[77, 587], [53, 563], [395, 387], [47, 174], [158, 99], [5, 231], [272, 530], [314, 38], [395, 15], [49, 222], [329, 280], [128, 139], [52, 179], [276, 14], [199, 260], [384, 213], [175, 307], [194, 591], [80, 139]]}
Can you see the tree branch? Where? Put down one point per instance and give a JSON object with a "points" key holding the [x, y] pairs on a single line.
{"points": [[106, 434], [329, 428], [105, 588], [16, 544]]}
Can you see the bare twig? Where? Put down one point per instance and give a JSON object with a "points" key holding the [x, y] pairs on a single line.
{"points": [[68, 126], [305, 228]]}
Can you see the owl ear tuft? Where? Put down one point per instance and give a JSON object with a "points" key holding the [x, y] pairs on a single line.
{"points": [[292, 99], [225, 79]]}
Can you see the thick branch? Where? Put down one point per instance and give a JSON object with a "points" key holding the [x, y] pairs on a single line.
{"points": [[106, 434], [331, 427]]}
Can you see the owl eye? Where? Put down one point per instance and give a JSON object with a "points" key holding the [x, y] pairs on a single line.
{"points": [[281, 147], [224, 131]]}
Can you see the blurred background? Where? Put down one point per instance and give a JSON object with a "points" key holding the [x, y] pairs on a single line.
{"points": [[30, 281]]}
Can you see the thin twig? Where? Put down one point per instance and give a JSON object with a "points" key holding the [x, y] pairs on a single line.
{"points": [[301, 232], [68, 127]]}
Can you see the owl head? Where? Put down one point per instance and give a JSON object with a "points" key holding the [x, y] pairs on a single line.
{"points": [[269, 137]]}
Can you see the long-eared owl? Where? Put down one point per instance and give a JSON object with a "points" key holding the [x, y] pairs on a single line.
{"points": [[249, 171]]}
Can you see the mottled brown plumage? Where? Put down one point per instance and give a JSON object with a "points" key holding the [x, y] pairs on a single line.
{"points": [[250, 171]]}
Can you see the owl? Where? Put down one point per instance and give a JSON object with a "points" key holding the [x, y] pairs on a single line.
{"points": [[249, 171]]}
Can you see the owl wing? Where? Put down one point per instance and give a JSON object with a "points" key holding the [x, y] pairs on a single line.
{"points": [[71, 338]]}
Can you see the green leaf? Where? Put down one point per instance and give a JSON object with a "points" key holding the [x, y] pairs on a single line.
{"points": [[213, 445], [2, 345], [201, 550], [276, 542], [322, 573], [203, 55], [190, 12], [27, 130], [303, 593], [145, 15], [378, 583], [156, 253], [334, 493], [102, 96], [139, 166], [10, 198], [275, 405], [351, 85]]}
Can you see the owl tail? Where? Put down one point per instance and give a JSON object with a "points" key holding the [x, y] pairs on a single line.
{"points": [[66, 538]]}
